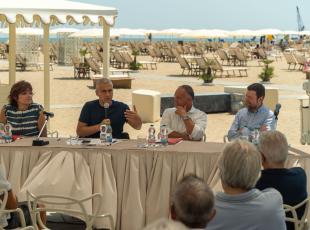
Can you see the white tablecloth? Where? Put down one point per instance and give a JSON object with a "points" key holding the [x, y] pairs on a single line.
{"points": [[136, 183]]}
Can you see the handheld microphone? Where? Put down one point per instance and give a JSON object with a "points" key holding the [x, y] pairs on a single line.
{"points": [[277, 110], [106, 106], [48, 114]]}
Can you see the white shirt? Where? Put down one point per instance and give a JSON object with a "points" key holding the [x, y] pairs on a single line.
{"points": [[4, 184], [175, 123]]}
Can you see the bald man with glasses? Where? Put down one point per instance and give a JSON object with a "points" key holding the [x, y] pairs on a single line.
{"points": [[94, 113]]}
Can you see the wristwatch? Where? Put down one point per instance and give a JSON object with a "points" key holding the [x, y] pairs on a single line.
{"points": [[186, 118]]}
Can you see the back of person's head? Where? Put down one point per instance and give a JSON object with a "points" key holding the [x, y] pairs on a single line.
{"points": [[16, 89], [192, 202], [165, 224], [258, 88], [189, 90], [273, 146], [240, 165]]}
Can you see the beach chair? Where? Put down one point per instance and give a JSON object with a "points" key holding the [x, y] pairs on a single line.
{"points": [[241, 57], [21, 62], [290, 60], [217, 67], [223, 55], [185, 66], [300, 59], [94, 66]]}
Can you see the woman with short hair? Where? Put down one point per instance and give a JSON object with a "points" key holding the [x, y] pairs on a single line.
{"points": [[25, 116], [241, 206]]}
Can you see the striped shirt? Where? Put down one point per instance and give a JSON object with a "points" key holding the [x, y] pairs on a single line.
{"points": [[25, 122]]}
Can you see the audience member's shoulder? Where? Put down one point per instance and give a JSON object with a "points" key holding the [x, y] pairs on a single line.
{"points": [[272, 195], [297, 170]]}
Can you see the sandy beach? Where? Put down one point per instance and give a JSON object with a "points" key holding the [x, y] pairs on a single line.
{"points": [[68, 95]]}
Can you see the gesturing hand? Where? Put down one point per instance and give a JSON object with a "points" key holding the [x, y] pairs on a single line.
{"points": [[181, 111], [133, 118]]}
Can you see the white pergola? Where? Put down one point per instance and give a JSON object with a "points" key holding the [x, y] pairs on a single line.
{"points": [[46, 13]]}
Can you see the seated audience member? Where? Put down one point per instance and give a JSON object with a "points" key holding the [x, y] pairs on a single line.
{"points": [[292, 182], [192, 203], [25, 116], [94, 113], [185, 121], [254, 116], [13, 221], [241, 206], [165, 224]]}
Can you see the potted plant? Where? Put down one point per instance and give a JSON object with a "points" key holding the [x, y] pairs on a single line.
{"points": [[135, 65], [207, 75], [267, 72]]}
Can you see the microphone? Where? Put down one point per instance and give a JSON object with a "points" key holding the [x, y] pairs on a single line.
{"points": [[48, 114], [277, 110], [106, 106], [37, 141]]}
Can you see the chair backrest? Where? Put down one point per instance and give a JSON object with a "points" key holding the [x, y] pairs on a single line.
{"points": [[289, 58], [201, 62], [93, 65], [299, 224], [4, 212], [66, 205]]}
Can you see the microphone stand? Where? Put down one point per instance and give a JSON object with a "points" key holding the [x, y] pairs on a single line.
{"points": [[37, 141]]}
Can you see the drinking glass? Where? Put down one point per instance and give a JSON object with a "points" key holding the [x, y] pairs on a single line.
{"points": [[141, 141]]}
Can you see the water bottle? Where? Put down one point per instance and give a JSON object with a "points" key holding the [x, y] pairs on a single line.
{"points": [[103, 132], [151, 139], [164, 135], [109, 137], [255, 136], [8, 133]]}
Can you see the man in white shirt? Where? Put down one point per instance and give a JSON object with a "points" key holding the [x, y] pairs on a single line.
{"points": [[184, 121]]}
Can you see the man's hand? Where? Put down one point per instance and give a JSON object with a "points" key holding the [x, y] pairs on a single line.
{"points": [[133, 118], [181, 111]]}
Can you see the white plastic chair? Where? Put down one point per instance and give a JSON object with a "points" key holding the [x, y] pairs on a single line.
{"points": [[299, 224], [57, 203], [4, 212]]}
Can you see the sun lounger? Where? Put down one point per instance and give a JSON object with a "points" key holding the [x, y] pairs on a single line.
{"points": [[119, 81]]}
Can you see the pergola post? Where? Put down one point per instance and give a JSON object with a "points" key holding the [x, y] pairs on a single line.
{"points": [[12, 53], [106, 50], [46, 67]]}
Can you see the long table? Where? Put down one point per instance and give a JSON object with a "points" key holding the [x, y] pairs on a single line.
{"points": [[136, 183]]}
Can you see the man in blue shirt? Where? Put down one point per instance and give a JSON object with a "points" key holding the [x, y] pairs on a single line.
{"points": [[254, 116], [292, 182], [94, 113]]}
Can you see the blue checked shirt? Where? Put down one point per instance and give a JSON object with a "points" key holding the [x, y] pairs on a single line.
{"points": [[249, 121]]}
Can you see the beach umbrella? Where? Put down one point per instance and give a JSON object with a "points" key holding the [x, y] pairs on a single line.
{"points": [[128, 32], [172, 32], [14, 13], [24, 31], [242, 33], [206, 34], [268, 32], [92, 33], [64, 30]]}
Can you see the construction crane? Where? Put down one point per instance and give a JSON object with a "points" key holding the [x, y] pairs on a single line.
{"points": [[300, 24]]}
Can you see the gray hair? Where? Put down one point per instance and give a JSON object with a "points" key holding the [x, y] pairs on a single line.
{"points": [[274, 147], [193, 202], [104, 80], [240, 165], [165, 224]]}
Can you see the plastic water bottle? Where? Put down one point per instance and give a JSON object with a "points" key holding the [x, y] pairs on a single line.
{"points": [[8, 133], [103, 132], [109, 137], [164, 135], [151, 139]]}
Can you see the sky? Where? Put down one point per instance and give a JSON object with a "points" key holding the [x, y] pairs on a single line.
{"points": [[207, 14]]}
